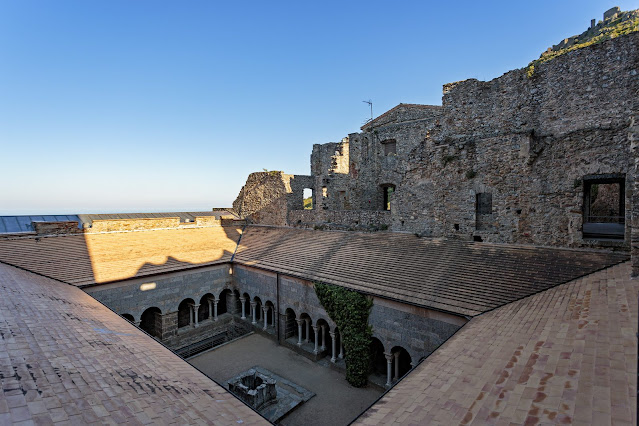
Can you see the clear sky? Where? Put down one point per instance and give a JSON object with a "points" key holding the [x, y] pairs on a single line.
{"points": [[119, 106]]}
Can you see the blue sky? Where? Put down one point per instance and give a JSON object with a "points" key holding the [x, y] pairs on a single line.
{"points": [[114, 106]]}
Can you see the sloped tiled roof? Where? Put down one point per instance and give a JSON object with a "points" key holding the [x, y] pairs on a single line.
{"points": [[64, 357], [567, 355], [105, 257], [460, 277]]}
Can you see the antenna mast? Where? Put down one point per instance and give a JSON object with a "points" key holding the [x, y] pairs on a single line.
{"points": [[370, 103]]}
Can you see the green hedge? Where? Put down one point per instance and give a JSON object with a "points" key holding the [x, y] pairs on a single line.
{"points": [[349, 310]]}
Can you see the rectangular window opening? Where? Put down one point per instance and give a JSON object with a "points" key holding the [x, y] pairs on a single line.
{"points": [[604, 207], [390, 147]]}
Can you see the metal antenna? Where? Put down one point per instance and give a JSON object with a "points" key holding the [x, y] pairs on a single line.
{"points": [[370, 103]]}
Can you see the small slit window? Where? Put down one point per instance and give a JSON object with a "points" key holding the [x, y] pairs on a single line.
{"points": [[483, 210]]}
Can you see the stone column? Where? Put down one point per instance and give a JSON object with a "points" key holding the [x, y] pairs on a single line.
{"points": [[299, 331], [137, 323], [191, 315], [210, 308], [333, 345], [215, 302], [195, 311], [316, 339], [243, 300], [265, 310], [389, 369], [308, 329], [341, 348], [396, 356], [323, 347], [253, 312]]}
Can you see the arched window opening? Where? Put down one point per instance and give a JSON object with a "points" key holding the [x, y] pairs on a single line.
{"points": [[128, 317], [151, 322], [185, 313], [290, 327]]}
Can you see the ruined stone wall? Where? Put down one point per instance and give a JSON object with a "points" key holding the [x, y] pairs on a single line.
{"points": [[529, 142], [633, 136], [268, 196], [350, 220]]}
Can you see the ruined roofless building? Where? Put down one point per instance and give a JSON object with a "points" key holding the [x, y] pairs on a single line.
{"points": [[499, 270]]}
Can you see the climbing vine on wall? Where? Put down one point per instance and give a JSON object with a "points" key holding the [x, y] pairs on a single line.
{"points": [[349, 309]]}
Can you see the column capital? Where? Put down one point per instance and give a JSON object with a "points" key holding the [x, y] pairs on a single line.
{"points": [[196, 305], [315, 327], [216, 301], [331, 333], [242, 299], [300, 321], [253, 303], [396, 354], [389, 357]]}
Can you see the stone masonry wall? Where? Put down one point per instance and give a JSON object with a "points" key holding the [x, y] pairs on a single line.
{"points": [[268, 196], [633, 136], [529, 142], [418, 330], [112, 225], [135, 296]]}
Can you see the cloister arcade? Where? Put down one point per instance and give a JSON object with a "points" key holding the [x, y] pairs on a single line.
{"points": [[314, 336]]}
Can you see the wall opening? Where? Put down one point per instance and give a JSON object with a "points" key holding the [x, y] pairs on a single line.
{"points": [[604, 206], [483, 210], [308, 199], [390, 147], [387, 195], [150, 321]]}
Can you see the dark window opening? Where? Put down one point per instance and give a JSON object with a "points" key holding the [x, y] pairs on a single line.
{"points": [[387, 192], [390, 147], [483, 210], [604, 206]]}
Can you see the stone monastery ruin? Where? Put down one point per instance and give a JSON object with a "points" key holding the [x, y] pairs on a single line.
{"points": [[496, 237]]}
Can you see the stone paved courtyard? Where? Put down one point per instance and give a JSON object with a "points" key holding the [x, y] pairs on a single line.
{"points": [[335, 403]]}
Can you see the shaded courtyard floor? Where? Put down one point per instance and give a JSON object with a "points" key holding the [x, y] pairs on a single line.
{"points": [[335, 403]]}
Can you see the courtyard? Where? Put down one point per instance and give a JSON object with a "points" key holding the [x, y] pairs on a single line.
{"points": [[335, 401]]}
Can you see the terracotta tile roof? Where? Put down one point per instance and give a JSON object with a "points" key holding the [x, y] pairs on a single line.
{"points": [[104, 257], [567, 355], [460, 277], [66, 358]]}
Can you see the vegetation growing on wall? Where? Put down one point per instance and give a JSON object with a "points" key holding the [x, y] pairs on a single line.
{"points": [[308, 203], [615, 28], [349, 309]]}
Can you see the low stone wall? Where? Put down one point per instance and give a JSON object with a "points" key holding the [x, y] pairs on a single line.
{"points": [[55, 228], [113, 225]]}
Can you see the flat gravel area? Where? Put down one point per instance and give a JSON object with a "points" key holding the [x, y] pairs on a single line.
{"points": [[335, 401]]}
